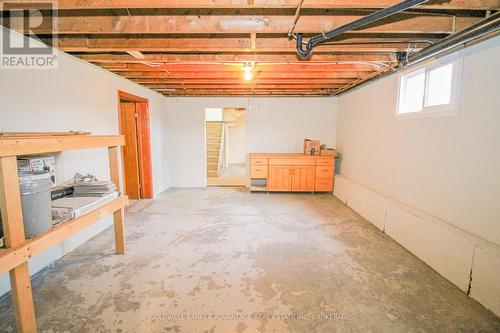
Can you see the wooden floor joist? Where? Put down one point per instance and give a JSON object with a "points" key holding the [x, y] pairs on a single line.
{"points": [[246, 24], [236, 4], [204, 44], [205, 58]]}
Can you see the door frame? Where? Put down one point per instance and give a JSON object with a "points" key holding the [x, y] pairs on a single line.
{"points": [[143, 139]]}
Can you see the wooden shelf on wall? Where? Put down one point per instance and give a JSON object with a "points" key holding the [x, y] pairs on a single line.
{"points": [[18, 250]]}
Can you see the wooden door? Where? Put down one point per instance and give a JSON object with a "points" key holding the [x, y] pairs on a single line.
{"points": [[303, 178], [279, 178], [144, 150], [128, 126]]}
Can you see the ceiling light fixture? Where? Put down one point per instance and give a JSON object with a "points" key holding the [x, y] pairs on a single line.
{"points": [[248, 68]]}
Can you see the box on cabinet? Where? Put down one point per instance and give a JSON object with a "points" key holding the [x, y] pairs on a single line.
{"points": [[311, 147]]}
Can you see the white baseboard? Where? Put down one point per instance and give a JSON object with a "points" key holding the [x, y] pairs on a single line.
{"points": [[469, 262]]}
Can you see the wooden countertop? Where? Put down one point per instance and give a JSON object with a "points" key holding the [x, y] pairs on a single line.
{"points": [[287, 155]]}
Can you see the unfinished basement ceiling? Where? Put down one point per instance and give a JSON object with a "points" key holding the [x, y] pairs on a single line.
{"points": [[200, 48]]}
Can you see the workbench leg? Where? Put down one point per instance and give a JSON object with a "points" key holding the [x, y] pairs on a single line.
{"points": [[119, 232], [13, 228], [118, 216], [23, 298]]}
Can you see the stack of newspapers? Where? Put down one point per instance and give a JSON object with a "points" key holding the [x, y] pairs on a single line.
{"points": [[89, 186]]}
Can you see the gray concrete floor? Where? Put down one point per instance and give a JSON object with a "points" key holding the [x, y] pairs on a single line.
{"points": [[225, 252], [232, 175]]}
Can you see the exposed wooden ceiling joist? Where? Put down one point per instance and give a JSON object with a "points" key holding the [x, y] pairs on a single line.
{"points": [[257, 80], [292, 67], [238, 24], [198, 48], [332, 4], [236, 75], [206, 58], [231, 45], [246, 86]]}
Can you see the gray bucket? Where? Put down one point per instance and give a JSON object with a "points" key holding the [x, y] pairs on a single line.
{"points": [[36, 203]]}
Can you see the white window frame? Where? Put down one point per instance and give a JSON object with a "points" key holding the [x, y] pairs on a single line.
{"points": [[450, 109]]}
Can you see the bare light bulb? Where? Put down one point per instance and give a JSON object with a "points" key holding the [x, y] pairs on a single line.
{"points": [[248, 74], [248, 68]]}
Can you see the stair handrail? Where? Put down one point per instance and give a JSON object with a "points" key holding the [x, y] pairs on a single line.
{"points": [[222, 148]]}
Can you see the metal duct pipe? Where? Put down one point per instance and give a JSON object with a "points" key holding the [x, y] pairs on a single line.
{"points": [[371, 18], [487, 26]]}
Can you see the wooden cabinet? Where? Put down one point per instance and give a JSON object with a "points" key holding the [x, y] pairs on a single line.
{"points": [[323, 185], [323, 172], [291, 173], [325, 169], [280, 178], [288, 178], [258, 171], [302, 178]]}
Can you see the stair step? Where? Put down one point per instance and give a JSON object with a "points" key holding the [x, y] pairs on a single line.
{"points": [[213, 137]]}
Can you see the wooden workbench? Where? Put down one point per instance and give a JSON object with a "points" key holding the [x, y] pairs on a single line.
{"points": [[14, 258]]}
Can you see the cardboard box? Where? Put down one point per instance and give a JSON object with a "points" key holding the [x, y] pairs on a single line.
{"points": [[328, 152], [40, 163], [311, 147]]}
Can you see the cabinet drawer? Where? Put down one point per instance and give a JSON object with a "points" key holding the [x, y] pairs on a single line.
{"points": [[257, 171], [324, 185], [324, 171], [258, 161], [291, 161], [324, 161]]}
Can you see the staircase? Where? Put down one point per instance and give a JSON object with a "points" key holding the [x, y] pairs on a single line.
{"points": [[214, 139]]}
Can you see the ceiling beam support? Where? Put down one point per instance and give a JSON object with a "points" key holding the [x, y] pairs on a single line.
{"points": [[242, 24], [326, 4], [217, 58]]}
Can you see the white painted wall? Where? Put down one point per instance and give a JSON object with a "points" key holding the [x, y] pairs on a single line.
{"points": [[236, 136], [432, 184], [77, 96], [275, 124], [213, 114]]}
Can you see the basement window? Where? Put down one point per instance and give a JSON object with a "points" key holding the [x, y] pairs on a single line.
{"points": [[430, 90]]}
